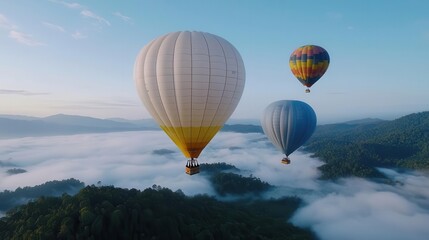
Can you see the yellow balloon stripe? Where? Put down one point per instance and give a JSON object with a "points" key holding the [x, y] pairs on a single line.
{"points": [[191, 140], [308, 69]]}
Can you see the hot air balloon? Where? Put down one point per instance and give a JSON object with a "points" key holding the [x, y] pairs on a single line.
{"points": [[190, 82], [308, 64], [288, 124]]}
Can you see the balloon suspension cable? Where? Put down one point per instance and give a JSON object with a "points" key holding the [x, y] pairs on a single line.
{"points": [[192, 163], [192, 166]]}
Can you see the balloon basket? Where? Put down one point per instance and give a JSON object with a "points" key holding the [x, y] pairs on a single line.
{"points": [[192, 167], [307, 90], [285, 161]]}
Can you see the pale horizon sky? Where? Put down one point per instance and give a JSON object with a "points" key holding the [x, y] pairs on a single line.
{"points": [[77, 57]]}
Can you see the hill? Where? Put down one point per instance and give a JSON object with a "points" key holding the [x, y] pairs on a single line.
{"points": [[14, 126], [83, 121], [59, 125], [226, 180], [155, 213], [357, 149], [10, 199]]}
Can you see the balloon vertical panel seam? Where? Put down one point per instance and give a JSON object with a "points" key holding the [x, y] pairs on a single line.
{"points": [[150, 102], [168, 117], [208, 88], [175, 88], [226, 64]]}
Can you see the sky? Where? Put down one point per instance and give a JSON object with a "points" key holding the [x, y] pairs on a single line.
{"points": [[77, 57], [351, 208]]}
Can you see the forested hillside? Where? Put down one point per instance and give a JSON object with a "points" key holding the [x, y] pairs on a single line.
{"points": [[357, 149], [155, 213], [10, 199], [226, 180]]}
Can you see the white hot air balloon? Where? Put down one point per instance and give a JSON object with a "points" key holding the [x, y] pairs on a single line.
{"points": [[190, 82]]}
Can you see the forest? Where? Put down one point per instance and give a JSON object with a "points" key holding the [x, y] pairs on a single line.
{"points": [[155, 213], [226, 180], [106, 212], [358, 149], [10, 199]]}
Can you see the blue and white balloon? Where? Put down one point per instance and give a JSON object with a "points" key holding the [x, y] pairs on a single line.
{"points": [[288, 124]]}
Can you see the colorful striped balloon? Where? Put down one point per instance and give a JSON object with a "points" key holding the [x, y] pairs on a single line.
{"points": [[308, 64]]}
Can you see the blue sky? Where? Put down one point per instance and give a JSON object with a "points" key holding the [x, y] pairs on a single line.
{"points": [[77, 57]]}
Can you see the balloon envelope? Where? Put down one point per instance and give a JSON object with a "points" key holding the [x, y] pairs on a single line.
{"points": [[309, 63], [190, 82], [288, 124]]}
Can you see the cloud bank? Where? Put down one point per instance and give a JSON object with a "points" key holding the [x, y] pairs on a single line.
{"points": [[350, 208], [359, 209]]}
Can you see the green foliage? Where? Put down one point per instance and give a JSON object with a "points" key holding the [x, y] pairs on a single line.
{"points": [[211, 168], [225, 181], [114, 213], [282, 208], [231, 183], [10, 199], [357, 149]]}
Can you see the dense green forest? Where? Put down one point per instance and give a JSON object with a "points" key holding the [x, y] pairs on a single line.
{"points": [[357, 149], [155, 213], [10, 199], [226, 180], [106, 212]]}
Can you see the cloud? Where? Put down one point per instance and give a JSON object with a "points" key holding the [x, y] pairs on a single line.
{"points": [[359, 209], [111, 160], [351, 208], [78, 35], [20, 37], [68, 5], [95, 104], [54, 27], [5, 23], [21, 92], [72, 5], [87, 13], [123, 17], [25, 39]]}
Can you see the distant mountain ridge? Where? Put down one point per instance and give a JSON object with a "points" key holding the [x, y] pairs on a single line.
{"points": [[13, 126], [358, 149]]}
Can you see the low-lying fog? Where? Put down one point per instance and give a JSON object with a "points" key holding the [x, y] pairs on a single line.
{"points": [[351, 208]]}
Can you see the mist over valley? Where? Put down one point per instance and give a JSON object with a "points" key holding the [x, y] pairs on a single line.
{"points": [[336, 208]]}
